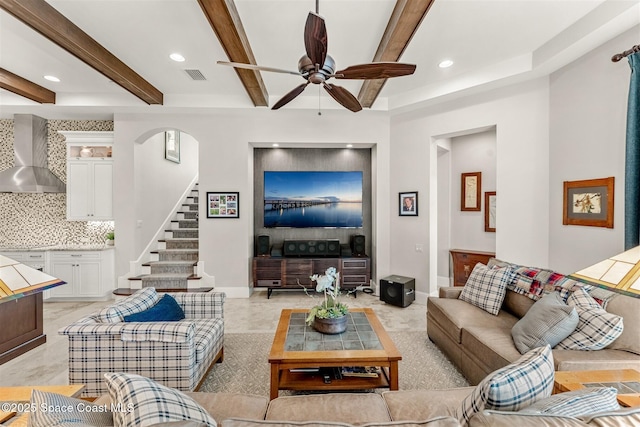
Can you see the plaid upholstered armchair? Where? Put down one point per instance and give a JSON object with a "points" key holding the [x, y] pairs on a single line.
{"points": [[176, 354]]}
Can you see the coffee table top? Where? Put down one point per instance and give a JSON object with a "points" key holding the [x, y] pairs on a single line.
{"points": [[364, 340], [626, 381]]}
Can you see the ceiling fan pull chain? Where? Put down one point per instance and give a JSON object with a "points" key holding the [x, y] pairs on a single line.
{"points": [[319, 113]]}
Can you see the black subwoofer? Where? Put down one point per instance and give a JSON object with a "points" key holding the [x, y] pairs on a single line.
{"points": [[262, 245], [398, 290], [358, 247]]}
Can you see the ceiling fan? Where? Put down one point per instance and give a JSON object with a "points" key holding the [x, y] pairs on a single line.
{"points": [[317, 67]]}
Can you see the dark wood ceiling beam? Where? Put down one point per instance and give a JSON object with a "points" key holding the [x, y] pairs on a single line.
{"points": [[23, 87], [403, 23], [46, 20], [226, 24]]}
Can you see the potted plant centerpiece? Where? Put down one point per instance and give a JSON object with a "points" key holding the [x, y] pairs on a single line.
{"points": [[330, 316], [110, 237]]}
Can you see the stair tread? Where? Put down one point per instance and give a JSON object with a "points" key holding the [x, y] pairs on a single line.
{"points": [[178, 250], [161, 276], [177, 262], [183, 229]]}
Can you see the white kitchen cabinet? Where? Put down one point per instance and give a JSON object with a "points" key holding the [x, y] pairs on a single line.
{"points": [[89, 190], [89, 175], [89, 274]]}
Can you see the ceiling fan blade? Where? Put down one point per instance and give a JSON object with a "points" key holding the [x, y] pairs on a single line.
{"points": [[258, 67], [290, 96], [343, 96], [376, 70], [315, 39]]}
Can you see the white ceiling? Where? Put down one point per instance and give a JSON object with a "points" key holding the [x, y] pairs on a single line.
{"points": [[491, 42]]}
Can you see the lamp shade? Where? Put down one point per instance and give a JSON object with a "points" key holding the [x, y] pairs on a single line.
{"points": [[18, 280], [620, 273]]}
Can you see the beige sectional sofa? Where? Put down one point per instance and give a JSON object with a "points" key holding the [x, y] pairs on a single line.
{"points": [[409, 408], [479, 343]]}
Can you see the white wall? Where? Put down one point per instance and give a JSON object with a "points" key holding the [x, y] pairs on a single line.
{"points": [[444, 210], [472, 153], [225, 164], [520, 115], [160, 183], [588, 105]]}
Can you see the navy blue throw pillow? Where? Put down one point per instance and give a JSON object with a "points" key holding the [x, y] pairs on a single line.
{"points": [[166, 309]]}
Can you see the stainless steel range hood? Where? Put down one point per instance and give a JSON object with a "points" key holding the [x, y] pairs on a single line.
{"points": [[30, 173]]}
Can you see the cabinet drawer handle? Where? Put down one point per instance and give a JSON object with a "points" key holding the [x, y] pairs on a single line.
{"points": [[467, 270], [76, 256]]}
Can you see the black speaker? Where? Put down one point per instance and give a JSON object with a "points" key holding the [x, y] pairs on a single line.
{"points": [[305, 248], [398, 290], [333, 248], [358, 247], [262, 245]]}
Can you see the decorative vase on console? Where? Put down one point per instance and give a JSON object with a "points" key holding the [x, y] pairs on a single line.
{"points": [[330, 316]]}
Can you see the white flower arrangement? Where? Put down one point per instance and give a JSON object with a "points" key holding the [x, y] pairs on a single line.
{"points": [[331, 307]]}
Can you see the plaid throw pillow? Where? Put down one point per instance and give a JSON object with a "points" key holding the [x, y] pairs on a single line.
{"points": [[596, 328], [513, 387], [140, 301], [82, 413], [486, 287], [577, 403], [144, 402]]}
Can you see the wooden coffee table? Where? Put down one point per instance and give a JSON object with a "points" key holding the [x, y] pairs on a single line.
{"points": [[297, 347], [576, 380]]}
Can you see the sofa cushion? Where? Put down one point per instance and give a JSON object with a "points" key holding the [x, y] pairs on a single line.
{"points": [[513, 387], [454, 314], [629, 309], [577, 360], [619, 418], [139, 301], [512, 419], [491, 346], [222, 405], [516, 304], [407, 405], [486, 287], [165, 310], [82, 412], [596, 328], [434, 422], [147, 402], [549, 321], [576, 403], [330, 407]]}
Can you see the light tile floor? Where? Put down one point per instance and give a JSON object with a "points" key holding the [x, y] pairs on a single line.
{"points": [[47, 364]]}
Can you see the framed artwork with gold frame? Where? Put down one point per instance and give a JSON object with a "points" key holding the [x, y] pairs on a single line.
{"points": [[490, 211], [588, 202], [471, 186]]}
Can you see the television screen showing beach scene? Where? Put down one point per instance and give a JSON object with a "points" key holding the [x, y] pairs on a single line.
{"points": [[303, 199]]}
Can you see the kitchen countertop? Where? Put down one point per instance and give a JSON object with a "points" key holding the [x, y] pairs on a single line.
{"points": [[88, 247]]}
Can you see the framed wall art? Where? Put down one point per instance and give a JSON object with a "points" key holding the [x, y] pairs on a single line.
{"points": [[172, 146], [588, 202], [223, 205], [471, 185], [490, 211], [408, 205]]}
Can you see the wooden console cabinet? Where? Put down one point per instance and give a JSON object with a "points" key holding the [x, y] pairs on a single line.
{"points": [[463, 261], [291, 273]]}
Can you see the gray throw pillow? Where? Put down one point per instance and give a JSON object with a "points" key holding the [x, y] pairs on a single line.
{"points": [[52, 409], [548, 321]]}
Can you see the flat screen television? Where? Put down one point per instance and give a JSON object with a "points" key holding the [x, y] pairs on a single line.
{"points": [[300, 199]]}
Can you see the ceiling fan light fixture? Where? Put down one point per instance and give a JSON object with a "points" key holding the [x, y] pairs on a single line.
{"points": [[52, 78], [275, 145], [446, 63], [177, 57], [349, 145]]}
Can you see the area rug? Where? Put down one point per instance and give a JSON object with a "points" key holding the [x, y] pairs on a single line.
{"points": [[246, 367]]}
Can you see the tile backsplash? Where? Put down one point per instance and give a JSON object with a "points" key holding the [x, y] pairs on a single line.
{"points": [[39, 219]]}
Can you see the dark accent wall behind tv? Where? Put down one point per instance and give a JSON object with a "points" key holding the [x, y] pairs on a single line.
{"points": [[311, 159]]}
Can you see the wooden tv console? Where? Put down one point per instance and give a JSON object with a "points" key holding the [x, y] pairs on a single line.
{"points": [[293, 273]]}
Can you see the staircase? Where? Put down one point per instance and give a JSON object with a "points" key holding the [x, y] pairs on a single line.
{"points": [[173, 265]]}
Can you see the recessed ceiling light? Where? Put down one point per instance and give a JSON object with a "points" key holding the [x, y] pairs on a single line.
{"points": [[275, 145], [349, 145], [177, 57], [446, 63], [52, 78]]}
